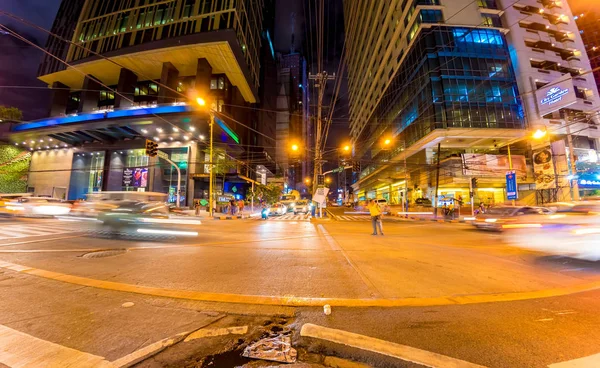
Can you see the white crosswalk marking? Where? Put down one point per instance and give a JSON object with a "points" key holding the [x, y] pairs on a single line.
{"points": [[32, 230], [290, 217]]}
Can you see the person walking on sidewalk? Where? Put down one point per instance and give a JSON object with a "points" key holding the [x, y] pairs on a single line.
{"points": [[375, 217]]}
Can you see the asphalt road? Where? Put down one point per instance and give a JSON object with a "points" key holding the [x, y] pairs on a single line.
{"points": [[448, 289]]}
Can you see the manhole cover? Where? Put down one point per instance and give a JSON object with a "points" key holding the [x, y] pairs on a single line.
{"points": [[104, 253]]}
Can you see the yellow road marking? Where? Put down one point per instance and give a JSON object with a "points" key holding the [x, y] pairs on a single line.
{"points": [[298, 301]]}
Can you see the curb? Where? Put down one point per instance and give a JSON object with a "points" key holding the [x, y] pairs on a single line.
{"points": [[228, 217], [412, 218]]}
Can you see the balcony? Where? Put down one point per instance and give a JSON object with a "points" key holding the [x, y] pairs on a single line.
{"points": [[549, 4], [565, 54]]}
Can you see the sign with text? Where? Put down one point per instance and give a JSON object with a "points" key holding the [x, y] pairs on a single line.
{"points": [[511, 185], [127, 177], [557, 95], [320, 196], [162, 154]]}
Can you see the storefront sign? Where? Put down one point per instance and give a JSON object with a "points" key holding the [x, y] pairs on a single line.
{"points": [[511, 185], [127, 177], [557, 95], [589, 181], [543, 169]]}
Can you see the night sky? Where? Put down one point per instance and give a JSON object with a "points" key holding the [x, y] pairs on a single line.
{"points": [[34, 102], [19, 61]]}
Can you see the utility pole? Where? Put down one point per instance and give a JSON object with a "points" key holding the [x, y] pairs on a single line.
{"points": [[574, 182], [211, 166], [320, 79], [437, 182]]}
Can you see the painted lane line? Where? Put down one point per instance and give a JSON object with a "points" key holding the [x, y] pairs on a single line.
{"points": [[336, 247], [211, 332], [40, 240], [592, 361], [403, 352], [18, 349]]}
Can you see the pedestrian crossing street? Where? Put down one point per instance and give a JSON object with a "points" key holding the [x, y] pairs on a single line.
{"points": [[27, 230]]}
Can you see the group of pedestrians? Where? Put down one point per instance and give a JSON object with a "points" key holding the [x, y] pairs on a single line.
{"points": [[235, 206]]}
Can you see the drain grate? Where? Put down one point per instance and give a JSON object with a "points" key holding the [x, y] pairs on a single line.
{"points": [[104, 253]]}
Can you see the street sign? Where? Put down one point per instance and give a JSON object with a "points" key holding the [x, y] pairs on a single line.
{"points": [[511, 185], [339, 169], [162, 154], [320, 195]]}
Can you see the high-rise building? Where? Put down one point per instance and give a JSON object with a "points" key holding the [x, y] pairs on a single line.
{"points": [[587, 17], [556, 85], [424, 74], [136, 68]]}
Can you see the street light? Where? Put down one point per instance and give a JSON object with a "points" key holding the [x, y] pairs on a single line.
{"points": [[539, 134], [327, 180], [347, 148], [295, 147], [387, 141]]}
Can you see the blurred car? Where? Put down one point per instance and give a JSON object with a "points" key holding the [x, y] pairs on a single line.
{"points": [[425, 202], [277, 209], [572, 231], [502, 218], [92, 208], [301, 206], [38, 206], [139, 218], [383, 205], [8, 199]]}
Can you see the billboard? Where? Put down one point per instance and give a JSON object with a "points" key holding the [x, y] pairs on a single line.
{"points": [[127, 177], [556, 95], [135, 177], [140, 177], [543, 169], [479, 165]]}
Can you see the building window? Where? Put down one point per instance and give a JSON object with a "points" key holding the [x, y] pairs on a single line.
{"points": [[491, 20], [213, 83], [431, 16], [488, 4]]}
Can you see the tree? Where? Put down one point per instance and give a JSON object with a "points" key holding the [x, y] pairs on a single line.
{"points": [[269, 193], [8, 114]]}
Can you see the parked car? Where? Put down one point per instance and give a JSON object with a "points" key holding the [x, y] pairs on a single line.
{"points": [[502, 218]]}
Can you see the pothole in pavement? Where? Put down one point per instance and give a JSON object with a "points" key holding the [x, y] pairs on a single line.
{"points": [[104, 253]]}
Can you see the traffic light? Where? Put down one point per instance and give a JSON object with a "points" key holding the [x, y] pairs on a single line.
{"points": [[473, 182], [320, 179], [355, 166], [151, 148]]}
